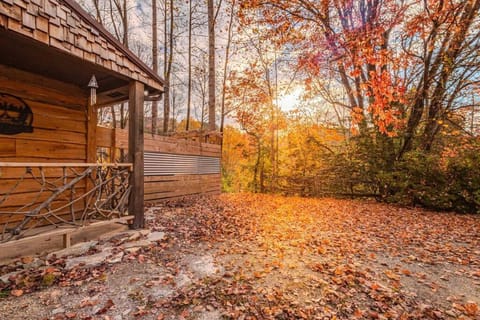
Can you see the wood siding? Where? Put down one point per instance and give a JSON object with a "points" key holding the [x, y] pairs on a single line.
{"points": [[59, 135]]}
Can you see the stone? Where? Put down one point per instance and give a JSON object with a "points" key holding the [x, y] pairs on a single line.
{"points": [[89, 261], [156, 236], [145, 232], [135, 244], [149, 218], [137, 235], [133, 250], [202, 266], [182, 280], [35, 264], [162, 292], [116, 258], [75, 250], [6, 277], [58, 310], [210, 315]]}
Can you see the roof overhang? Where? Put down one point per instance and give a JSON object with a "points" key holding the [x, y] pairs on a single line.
{"points": [[59, 40]]}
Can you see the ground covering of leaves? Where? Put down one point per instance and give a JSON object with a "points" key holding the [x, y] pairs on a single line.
{"points": [[274, 257]]}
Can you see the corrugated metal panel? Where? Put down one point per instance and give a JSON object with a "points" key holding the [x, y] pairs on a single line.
{"points": [[157, 164]]}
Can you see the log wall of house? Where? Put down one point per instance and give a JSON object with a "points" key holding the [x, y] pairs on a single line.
{"points": [[165, 185], [59, 135]]}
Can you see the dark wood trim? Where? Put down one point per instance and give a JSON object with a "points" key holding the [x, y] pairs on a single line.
{"points": [[135, 153]]}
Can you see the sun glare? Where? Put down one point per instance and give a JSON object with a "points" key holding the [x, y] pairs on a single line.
{"points": [[289, 101]]}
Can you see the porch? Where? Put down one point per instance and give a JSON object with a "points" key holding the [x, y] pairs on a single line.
{"points": [[49, 174]]}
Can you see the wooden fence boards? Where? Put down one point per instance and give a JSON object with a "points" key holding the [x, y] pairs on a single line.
{"points": [[161, 187]]}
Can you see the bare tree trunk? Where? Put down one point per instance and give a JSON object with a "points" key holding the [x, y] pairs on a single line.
{"points": [[202, 125], [189, 89], [227, 54], [168, 65], [168, 57], [172, 126], [154, 62], [125, 24], [211, 66]]}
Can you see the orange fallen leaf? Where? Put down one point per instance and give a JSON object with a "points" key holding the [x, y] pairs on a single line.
{"points": [[358, 313], [391, 275], [471, 308], [406, 272], [16, 292]]}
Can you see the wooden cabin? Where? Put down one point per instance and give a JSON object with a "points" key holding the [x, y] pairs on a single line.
{"points": [[49, 175]]}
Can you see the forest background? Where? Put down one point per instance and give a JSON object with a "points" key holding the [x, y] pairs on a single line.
{"points": [[367, 98]]}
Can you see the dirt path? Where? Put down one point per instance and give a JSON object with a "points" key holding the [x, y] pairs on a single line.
{"points": [[261, 257]]}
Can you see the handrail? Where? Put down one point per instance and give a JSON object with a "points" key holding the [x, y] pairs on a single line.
{"points": [[57, 200], [61, 164]]}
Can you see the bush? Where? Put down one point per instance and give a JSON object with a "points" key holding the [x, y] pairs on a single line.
{"points": [[434, 182], [447, 180]]}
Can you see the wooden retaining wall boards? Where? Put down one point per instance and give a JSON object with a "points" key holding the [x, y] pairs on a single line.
{"points": [[174, 167]]}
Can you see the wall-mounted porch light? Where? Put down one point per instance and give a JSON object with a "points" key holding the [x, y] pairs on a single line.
{"points": [[93, 85]]}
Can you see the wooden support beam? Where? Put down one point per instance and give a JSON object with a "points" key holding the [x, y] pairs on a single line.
{"points": [[113, 96], [91, 138], [135, 153]]}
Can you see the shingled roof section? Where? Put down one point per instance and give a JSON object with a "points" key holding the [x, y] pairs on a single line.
{"points": [[63, 24]]}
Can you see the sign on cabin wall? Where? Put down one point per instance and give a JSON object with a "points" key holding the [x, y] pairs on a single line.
{"points": [[15, 115]]}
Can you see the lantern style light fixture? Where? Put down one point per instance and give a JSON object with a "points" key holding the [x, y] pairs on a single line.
{"points": [[93, 85]]}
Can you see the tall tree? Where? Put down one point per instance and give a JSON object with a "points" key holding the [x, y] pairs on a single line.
{"points": [[225, 65], [154, 61], [402, 65], [189, 86], [211, 65], [168, 60]]}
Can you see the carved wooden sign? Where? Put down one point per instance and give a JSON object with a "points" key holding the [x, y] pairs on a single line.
{"points": [[15, 115]]}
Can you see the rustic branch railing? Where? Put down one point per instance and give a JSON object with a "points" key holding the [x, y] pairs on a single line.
{"points": [[78, 193]]}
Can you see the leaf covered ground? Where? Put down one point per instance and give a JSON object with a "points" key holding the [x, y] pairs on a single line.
{"points": [[246, 256]]}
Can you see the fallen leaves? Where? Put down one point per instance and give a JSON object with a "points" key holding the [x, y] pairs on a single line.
{"points": [[106, 307], [16, 292], [471, 308], [294, 258]]}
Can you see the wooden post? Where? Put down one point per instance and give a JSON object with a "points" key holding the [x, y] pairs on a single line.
{"points": [[91, 134], [67, 242], [135, 153], [91, 148]]}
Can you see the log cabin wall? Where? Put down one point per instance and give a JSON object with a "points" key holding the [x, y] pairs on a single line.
{"points": [[174, 167], [59, 120], [59, 135]]}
